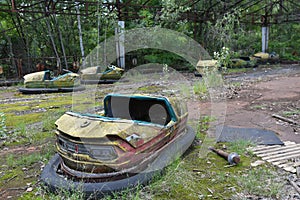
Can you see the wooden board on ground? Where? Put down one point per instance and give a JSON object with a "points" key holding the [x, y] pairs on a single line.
{"points": [[286, 156]]}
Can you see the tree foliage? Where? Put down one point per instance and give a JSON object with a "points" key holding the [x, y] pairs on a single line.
{"points": [[45, 33]]}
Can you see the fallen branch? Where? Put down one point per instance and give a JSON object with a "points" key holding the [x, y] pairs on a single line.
{"points": [[295, 186], [285, 119]]}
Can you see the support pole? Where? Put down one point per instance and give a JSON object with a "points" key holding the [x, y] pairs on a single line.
{"points": [[120, 39], [265, 38], [264, 32]]}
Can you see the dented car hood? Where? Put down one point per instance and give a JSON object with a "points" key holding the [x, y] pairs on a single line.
{"points": [[81, 126]]}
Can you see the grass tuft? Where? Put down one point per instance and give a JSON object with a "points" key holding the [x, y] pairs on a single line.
{"points": [[200, 88]]}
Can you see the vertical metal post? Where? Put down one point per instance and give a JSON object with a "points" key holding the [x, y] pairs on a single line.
{"points": [[265, 38], [120, 39]]}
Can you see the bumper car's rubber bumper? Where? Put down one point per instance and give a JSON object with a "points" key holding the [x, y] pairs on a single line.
{"points": [[56, 182], [50, 90]]}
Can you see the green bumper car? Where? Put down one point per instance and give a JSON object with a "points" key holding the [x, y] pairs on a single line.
{"points": [[43, 82], [94, 75]]}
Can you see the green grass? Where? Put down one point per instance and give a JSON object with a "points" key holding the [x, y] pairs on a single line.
{"points": [[21, 168], [49, 119], [213, 79], [208, 178], [200, 88], [260, 181], [8, 89], [14, 161], [292, 112], [240, 146], [203, 126], [31, 128], [3, 129], [258, 107], [44, 193], [9, 108], [236, 84], [14, 120]]}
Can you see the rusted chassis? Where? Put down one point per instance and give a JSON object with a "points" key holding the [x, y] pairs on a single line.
{"points": [[56, 182]]}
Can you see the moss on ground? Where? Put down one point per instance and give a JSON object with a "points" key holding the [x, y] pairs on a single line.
{"points": [[197, 178], [189, 177], [14, 120]]}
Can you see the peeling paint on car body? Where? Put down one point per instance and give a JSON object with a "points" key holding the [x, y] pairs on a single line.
{"points": [[124, 138]]}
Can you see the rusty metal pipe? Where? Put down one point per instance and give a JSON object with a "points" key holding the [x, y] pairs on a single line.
{"points": [[232, 158]]}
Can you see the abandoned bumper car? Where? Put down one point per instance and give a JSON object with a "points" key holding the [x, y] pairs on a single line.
{"points": [[264, 58], [95, 75], [133, 139], [43, 82]]}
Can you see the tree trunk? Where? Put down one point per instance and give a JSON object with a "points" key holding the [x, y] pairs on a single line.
{"points": [[61, 41], [58, 62], [11, 53], [18, 26], [98, 29], [80, 32]]}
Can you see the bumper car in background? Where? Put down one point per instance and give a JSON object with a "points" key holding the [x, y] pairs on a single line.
{"points": [[264, 58], [94, 75], [44, 82]]}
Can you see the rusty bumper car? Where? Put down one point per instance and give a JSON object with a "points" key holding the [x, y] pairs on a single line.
{"points": [[43, 82], [95, 75], [133, 139]]}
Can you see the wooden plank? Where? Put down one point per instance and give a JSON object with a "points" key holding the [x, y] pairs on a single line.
{"points": [[279, 152], [285, 119], [264, 147], [290, 169], [280, 162], [289, 164], [285, 157], [280, 149], [289, 142], [279, 155], [293, 164]]}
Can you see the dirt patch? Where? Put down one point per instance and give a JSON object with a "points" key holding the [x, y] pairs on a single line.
{"points": [[256, 99], [280, 88], [19, 150]]}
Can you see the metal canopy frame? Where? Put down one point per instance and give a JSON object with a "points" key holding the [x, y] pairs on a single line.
{"points": [[125, 11]]}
